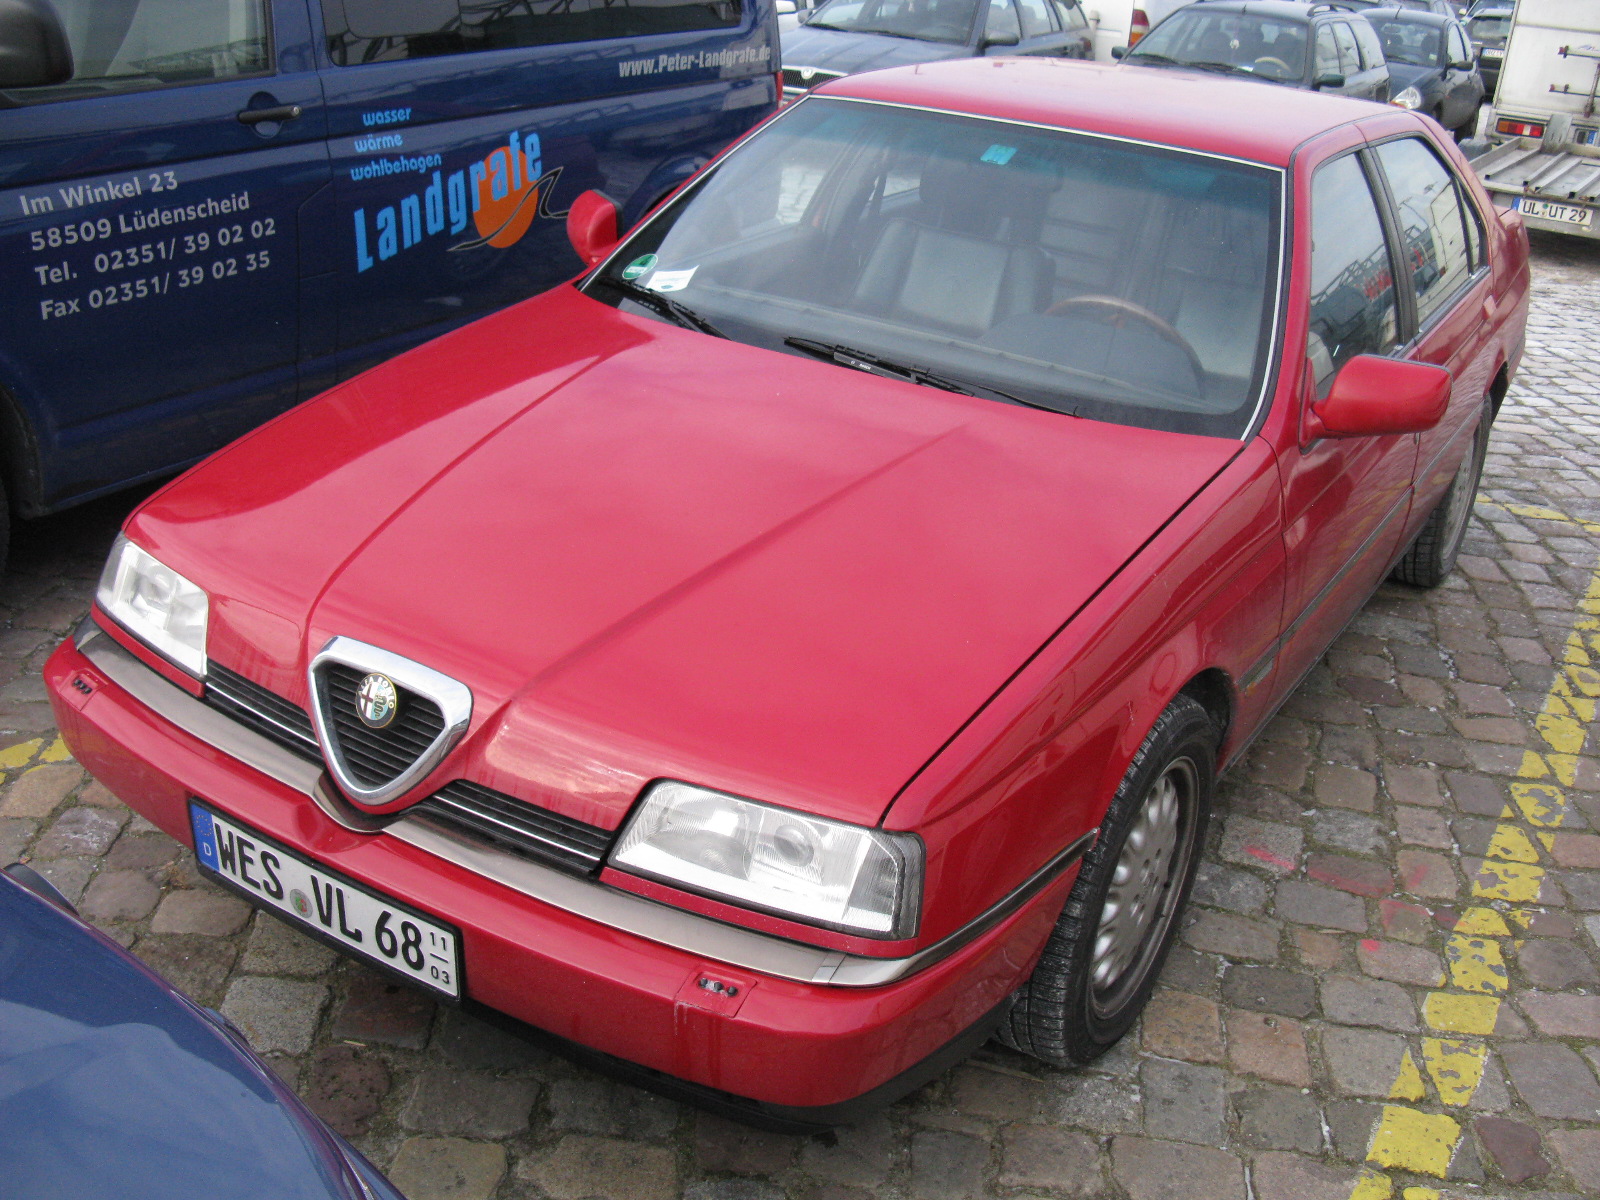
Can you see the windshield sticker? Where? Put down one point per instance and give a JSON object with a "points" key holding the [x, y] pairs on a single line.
{"points": [[671, 281], [639, 266], [998, 155]]}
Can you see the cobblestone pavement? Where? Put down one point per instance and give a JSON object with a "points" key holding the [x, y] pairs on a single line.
{"points": [[1389, 985]]}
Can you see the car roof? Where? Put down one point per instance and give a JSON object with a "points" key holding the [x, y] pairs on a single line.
{"points": [[1284, 10], [1408, 16], [1194, 110]]}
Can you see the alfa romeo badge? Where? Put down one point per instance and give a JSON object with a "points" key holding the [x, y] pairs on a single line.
{"points": [[377, 701]]}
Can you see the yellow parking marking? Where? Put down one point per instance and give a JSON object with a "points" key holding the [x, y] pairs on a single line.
{"points": [[56, 752], [1485, 922], [1541, 805], [1477, 964], [1408, 1083], [1420, 1193], [1456, 1067], [1409, 1140], [20, 754], [1372, 1186], [1518, 883], [1510, 842], [1451, 1013]]}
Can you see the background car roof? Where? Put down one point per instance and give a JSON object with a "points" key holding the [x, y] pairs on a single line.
{"points": [[1408, 16], [1189, 109], [1286, 10]]}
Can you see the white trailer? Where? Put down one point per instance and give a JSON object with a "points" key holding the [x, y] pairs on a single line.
{"points": [[1546, 118]]}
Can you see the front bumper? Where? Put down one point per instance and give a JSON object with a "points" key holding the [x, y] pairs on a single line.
{"points": [[809, 1028]]}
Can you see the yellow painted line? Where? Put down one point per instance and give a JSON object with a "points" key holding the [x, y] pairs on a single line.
{"points": [[1456, 1068], [1451, 1013], [1408, 1140], [19, 755], [1408, 1083], [1420, 1193], [1372, 1186], [1477, 964]]}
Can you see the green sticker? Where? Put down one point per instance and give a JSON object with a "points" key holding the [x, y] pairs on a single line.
{"points": [[639, 266]]}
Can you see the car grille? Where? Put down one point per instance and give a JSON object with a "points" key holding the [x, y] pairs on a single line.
{"points": [[376, 756], [465, 808], [801, 79], [265, 712], [517, 826]]}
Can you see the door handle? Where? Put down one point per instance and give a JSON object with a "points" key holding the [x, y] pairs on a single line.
{"points": [[282, 112]]}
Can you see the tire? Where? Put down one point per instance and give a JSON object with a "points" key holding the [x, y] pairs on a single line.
{"points": [[1090, 984], [1432, 556]]}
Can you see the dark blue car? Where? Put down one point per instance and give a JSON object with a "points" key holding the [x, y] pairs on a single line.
{"points": [[212, 209], [115, 1086], [1431, 66], [845, 37]]}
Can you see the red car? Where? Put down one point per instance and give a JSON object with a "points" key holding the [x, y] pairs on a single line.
{"points": [[805, 646]]}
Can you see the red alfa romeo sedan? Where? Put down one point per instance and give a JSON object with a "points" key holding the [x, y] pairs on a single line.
{"points": [[805, 646]]}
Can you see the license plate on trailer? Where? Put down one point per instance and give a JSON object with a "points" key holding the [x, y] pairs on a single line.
{"points": [[1571, 214], [366, 923]]}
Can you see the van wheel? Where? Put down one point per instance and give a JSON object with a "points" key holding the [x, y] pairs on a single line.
{"points": [[1102, 959], [1433, 555]]}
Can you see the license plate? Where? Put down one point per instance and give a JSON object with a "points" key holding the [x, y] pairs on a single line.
{"points": [[1571, 214], [366, 923]]}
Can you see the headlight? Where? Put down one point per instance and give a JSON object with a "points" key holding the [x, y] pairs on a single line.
{"points": [[157, 605], [1410, 98], [846, 877]]}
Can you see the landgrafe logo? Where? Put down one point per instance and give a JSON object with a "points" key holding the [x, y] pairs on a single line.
{"points": [[499, 197]]}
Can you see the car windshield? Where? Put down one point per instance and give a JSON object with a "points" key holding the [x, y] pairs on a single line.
{"points": [[1087, 275], [1261, 46], [1490, 29], [1414, 44], [925, 20]]}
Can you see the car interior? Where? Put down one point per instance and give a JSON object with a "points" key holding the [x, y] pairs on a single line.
{"points": [[1114, 280]]}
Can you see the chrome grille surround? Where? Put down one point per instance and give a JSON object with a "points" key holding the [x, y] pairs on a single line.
{"points": [[376, 766]]}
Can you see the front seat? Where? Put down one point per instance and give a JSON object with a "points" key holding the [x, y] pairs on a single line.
{"points": [[970, 255]]}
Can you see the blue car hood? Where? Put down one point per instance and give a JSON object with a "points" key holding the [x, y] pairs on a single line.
{"points": [[1404, 75], [113, 1085], [851, 53]]}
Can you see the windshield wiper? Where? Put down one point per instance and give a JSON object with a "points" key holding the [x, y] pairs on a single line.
{"points": [[825, 25], [885, 33], [1151, 56], [1225, 68], [873, 364], [665, 305]]}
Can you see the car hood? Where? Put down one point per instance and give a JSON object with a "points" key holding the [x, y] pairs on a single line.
{"points": [[651, 553], [113, 1084], [851, 53], [1404, 75]]}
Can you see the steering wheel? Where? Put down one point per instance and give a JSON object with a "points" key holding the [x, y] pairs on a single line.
{"points": [[1268, 60], [1128, 308]]}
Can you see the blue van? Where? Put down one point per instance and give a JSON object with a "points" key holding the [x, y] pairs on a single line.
{"points": [[212, 209]]}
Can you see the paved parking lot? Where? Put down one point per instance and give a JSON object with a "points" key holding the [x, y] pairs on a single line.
{"points": [[1389, 985]]}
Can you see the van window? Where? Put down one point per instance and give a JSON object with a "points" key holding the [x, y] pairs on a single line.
{"points": [[122, 45], [1352, 282], [363, 31], [1349, 56]]}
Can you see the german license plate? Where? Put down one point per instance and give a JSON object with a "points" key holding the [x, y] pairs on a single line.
{"points": [[366, 923], [1571, 214]]}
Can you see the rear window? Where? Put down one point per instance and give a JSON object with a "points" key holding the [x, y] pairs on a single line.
{"points": [[363, 31], [947, 21], [1490, 29], [1090, 276]]}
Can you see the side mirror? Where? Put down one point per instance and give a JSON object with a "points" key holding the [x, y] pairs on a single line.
{"points": [[1330, 80], [592, 226], [33, 45], [1372, 396], [1462, 66], [1000, 39], [1119, 52]]}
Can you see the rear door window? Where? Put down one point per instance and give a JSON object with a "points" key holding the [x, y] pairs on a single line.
{"points": [[1371, 47], [1353, 308], [1433, 225], [361, 31], [128, 45], [1036, 20]]}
